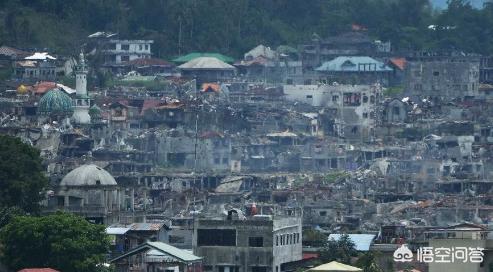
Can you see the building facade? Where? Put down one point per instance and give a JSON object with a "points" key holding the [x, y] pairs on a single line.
{"points": [[442, 76], [257, 244], [119, 51]]}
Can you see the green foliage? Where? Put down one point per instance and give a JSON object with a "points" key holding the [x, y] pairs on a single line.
{"points": [[21, 175], [7, 213], [232, 27], [68, 81], [368, 263], [6, 73], [335, 177], [61, 241], [414, 133], [341, 250], [314, 238], [393, 91], [152, 85]]}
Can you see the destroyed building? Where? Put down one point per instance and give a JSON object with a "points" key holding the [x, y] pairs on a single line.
{"points": [[442, 77], [257, 243]]}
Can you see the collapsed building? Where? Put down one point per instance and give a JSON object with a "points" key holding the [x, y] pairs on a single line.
{"points": [[185, 163]]}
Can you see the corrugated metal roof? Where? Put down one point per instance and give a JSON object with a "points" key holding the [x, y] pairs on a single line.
{"points": [[38, 270], [160, 247], [181, 254], [260, 50], [335, 266], [362, 242], [146, 226], [399, 62], [354, 64], [195, 55], [116, 230], [40, 56], [206, 63]]}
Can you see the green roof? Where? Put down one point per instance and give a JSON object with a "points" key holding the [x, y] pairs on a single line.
{"points": [[195, 55], [55, 102]]}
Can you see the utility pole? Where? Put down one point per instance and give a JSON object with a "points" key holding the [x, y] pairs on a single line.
{"points": [[195, 156]]}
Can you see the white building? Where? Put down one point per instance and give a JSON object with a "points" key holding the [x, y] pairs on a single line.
{"points": [[118, 51], [351, 107]]}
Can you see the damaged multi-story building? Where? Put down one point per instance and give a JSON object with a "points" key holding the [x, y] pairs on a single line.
{"points": [[442, 76]]}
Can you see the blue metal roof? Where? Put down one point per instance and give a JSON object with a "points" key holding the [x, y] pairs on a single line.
{"points": [[354, 64], [362, 242]]}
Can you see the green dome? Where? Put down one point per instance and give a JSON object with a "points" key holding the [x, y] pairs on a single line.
{"points": [[55, 102]]}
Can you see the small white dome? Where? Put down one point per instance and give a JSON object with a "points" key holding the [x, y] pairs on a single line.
{"points": [[88, 175]]}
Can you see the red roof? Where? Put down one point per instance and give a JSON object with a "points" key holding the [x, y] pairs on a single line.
{"points": [[44, 86], [399, 62], [210, 87], [309, 255], [260, 60], [38, 270], [357, 27], [171, 105], [160, 105], [149, 104]]}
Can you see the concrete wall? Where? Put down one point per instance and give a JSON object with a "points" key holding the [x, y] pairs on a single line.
{"points": [[243, 257], [290, 251], [240, 255], [445, 78], [314, 95]]}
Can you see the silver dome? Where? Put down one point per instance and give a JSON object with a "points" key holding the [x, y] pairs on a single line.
{"points": [[88, 175]]}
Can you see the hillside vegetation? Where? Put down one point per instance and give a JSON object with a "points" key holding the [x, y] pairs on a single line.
{"points": [[232, 27]]}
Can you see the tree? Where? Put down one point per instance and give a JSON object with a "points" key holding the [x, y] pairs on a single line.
{"points": [[314, 238], [62, 241], [340, 250], [232, 27], [7, 213], [368, 263], [21, 175]]}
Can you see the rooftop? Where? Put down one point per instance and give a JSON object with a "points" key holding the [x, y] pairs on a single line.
{"points": [[206, 63], [354, 64], [162, 248], [88, 175], [194, 55]]}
